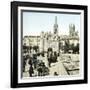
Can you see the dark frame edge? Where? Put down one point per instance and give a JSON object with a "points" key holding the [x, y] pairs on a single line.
{"points": [[11, 83], [53, 5], [52, 83], [14, 42], [86, 44]]}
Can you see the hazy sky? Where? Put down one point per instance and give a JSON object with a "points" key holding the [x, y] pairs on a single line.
{"points": [[35, 22]]}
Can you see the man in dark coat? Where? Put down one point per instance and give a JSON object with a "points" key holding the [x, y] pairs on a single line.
{"points": [[31, 71], [49, 58]]}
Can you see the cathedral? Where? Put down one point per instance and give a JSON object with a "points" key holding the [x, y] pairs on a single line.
{"points": [[50, 40], [53, 40]]}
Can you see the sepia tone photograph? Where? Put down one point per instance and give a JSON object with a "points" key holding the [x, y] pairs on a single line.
{"points": [[50, 44]]}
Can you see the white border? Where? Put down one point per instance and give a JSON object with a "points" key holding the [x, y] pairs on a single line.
{"points": [[61, 78]]}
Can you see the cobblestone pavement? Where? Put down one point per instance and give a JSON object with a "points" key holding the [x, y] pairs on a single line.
{"points": [[55, 67], [58, 67]]}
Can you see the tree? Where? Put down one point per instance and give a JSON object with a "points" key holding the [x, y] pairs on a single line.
{"points": [[75, 48]]}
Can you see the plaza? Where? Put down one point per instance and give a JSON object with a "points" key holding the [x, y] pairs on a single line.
{"points": [[63, 66]]}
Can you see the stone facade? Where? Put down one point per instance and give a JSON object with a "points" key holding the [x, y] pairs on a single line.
{"points": [[52, 40]]}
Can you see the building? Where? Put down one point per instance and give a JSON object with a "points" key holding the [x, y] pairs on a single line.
{"points": [[53, 40], [50, 40], [31, 41]]}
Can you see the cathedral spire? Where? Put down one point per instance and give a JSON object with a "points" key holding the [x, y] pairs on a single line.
{"points": [[55, 19], [55, 26]]}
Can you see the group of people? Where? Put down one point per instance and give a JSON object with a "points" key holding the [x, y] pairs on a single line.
{"points": [[52, 57], [35, 65]]}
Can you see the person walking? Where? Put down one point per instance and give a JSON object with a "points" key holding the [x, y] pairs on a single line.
{"points": [[31, 71], [49, 56], [55, 57]]}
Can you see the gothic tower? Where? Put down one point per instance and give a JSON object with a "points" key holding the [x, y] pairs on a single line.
{"points": [[55, 26], [71, 29]]}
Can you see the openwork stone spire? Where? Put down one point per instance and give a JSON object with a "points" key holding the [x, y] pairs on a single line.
{"points": [[55, 26]]}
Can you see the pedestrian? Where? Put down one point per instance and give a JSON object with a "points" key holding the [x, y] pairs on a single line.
{"points": [[55, 74], [40, 68], [35, 60], [30, 61], [31, 71], [49, 56], [45, 70], [55, 57]]}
